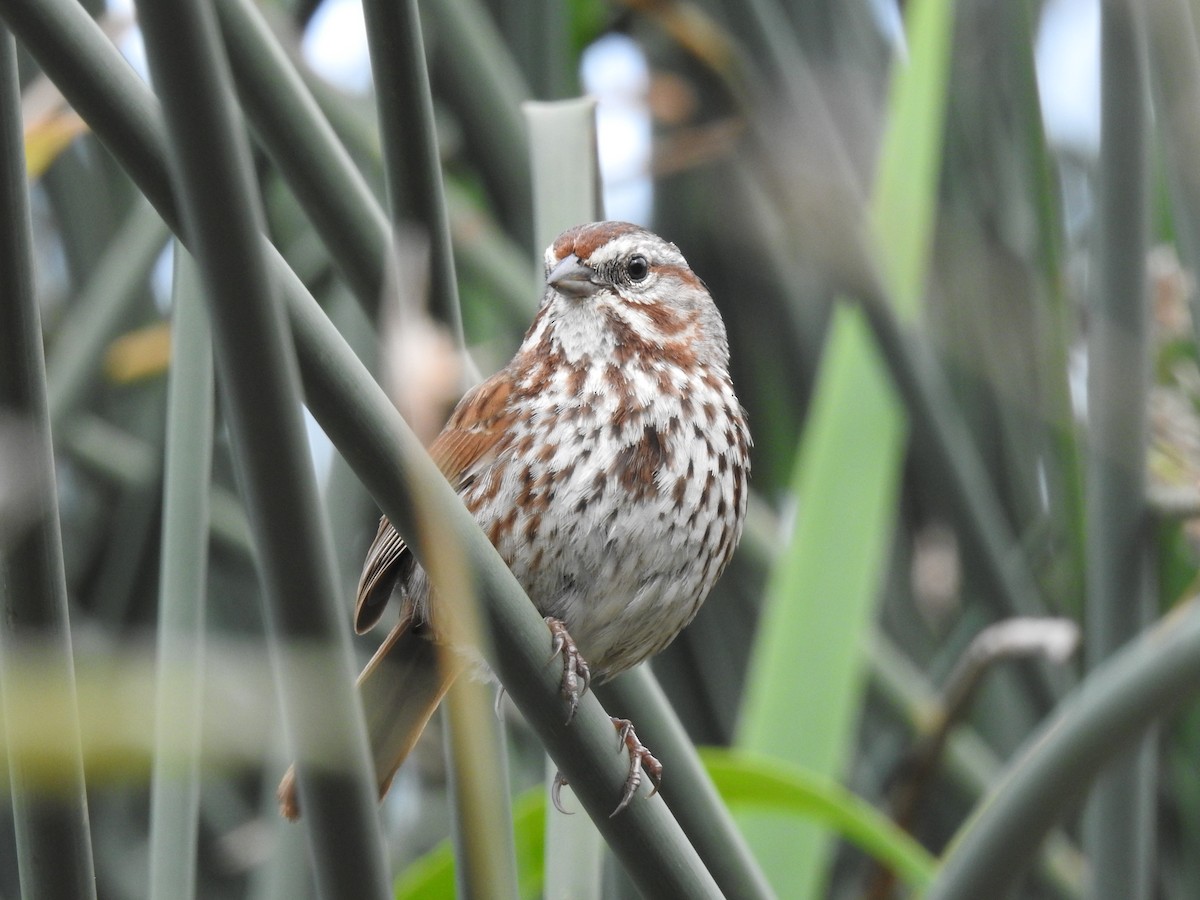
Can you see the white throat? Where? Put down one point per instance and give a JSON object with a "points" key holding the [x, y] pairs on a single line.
{"points": [[580, 330]]}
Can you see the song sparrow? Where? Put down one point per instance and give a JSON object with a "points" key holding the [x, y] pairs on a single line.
{"points": [[607, 463]]}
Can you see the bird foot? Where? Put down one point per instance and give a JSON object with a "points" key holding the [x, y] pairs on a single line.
{"points": [[576, 675], [639, 757]]}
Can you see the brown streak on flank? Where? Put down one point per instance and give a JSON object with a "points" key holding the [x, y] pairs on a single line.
{"points": [[727, 548], [743, 434], [491, 487], [532, 526], [576, 378], [638, 464], [525, 497], [678, 353], [502, 527], [620, 417], [616, 379], [541, 490], [713, 381], [678, 493], [709, 483], [739, 484]]}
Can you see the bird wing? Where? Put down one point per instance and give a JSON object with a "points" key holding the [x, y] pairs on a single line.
{"points": [[407, 677], [471, 440]]}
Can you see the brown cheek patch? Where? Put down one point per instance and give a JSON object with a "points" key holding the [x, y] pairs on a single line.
{"points": [[683, 275], [667, 321]]}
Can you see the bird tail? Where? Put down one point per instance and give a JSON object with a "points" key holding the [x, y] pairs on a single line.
{"points": [[401, 688]]}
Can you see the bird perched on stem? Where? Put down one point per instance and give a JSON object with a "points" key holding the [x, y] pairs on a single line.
{"points": [[607, 463]]}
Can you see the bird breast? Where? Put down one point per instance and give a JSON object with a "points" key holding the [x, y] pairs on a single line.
{"points": [[617, 499]]}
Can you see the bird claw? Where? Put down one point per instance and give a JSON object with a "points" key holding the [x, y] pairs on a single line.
{"points": [[639, 756], [556, 794], [577, 677]]}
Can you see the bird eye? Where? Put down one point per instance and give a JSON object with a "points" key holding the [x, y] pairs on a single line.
{"points": [[638, 268]]}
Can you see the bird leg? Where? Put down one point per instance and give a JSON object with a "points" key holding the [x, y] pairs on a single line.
{"points": [[576, 675]]}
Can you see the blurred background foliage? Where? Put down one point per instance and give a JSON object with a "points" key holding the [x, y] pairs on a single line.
{"points": [[754, 130]]}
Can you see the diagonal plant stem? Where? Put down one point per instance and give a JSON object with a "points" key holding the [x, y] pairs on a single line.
{"points": [[301, 142], [688, 789], [54, 850], [1123, 695]]}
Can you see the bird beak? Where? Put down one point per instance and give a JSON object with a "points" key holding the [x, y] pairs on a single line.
{"points": [[572, 278]]}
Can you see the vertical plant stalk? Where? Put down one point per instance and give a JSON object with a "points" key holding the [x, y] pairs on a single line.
{"points": [[1119, 823], [175, 782], [566, 192], [412, 160], [307, 631], [566, 168], [54, 851]]}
